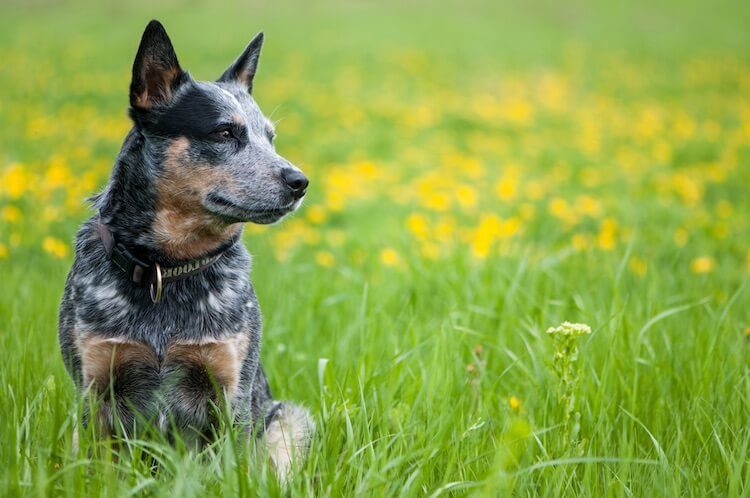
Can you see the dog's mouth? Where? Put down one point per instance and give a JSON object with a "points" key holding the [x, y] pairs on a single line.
{"points": [[232, 211]]}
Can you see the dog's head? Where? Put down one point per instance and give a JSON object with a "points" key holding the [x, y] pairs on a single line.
{"points": [[218, 164]]}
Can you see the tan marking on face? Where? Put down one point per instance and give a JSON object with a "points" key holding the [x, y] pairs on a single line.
{"points": [[182, 226], [222, 358], [100, 356], [237, 119]]}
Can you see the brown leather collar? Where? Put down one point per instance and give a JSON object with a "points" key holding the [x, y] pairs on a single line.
{"points": [[141, 272]]}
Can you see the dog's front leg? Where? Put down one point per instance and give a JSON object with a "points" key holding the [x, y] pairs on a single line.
{"points": [[120, 379]]}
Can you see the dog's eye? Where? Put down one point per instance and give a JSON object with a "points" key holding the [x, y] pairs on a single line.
{"points": [[224, 134]]}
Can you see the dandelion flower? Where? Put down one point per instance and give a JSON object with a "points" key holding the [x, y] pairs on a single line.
{"points": [[55, 247], [606, 237], [514, 403], [466, 196], [16, 181], [704, 264], [430, 251], [317, 214], [389, 257], [506, 188], [324, 258], [11, 214], [580, 241], [417, 224]]}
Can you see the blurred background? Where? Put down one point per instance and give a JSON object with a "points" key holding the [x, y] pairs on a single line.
{"points": [[480, 170], [469, 126]]}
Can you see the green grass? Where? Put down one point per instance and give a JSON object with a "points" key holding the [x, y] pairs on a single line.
{"points": [[413, 365]]}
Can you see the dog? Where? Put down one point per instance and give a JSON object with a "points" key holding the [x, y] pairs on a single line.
{"points": [[159, 321]]}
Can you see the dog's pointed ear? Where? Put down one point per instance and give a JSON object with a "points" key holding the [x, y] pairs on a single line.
{"points": [[156, 72], [244, 68]]}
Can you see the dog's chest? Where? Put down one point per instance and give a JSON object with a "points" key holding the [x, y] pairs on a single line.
{"points": [[181, 385], [172, 361], [105, 359]]}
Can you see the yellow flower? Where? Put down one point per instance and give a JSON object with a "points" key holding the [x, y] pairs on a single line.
{"points": [[720, 230], [335, 200], [466, 196], [589, 140], [559, 208], [3, 251], [55, 247], [607, 231], [509, 228], [11, 214], [389, 257], [58, 174], [688, 187], [324, 258], [506, 188], [703, 264], [15, 180], [649, 124], [519, 111], [445, 229], [366, 170], [316, 214], [514, 403], [588, 206], [580, 241], [51, 213], [430, 251], [437, 201], [484, 235], [417, 225]]}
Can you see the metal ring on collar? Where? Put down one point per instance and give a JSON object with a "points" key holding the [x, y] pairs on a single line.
{"points": [[156, 291]]}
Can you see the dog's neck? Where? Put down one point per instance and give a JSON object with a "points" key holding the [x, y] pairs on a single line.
{"points": [[130, 209]]}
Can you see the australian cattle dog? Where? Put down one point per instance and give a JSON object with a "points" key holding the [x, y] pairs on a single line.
{"points": [[159, 320]]}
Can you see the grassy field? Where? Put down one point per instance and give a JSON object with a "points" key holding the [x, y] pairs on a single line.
{"points": [[479, 172]]}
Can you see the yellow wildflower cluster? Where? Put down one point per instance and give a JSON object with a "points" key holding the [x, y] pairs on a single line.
{"points": [[55, 247], [527, 164]]}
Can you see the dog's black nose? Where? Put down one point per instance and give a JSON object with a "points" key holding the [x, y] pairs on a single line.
{"points": [[296, 181]]}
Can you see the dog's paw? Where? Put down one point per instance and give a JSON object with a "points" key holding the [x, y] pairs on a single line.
{"points": [[287, 437]]}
